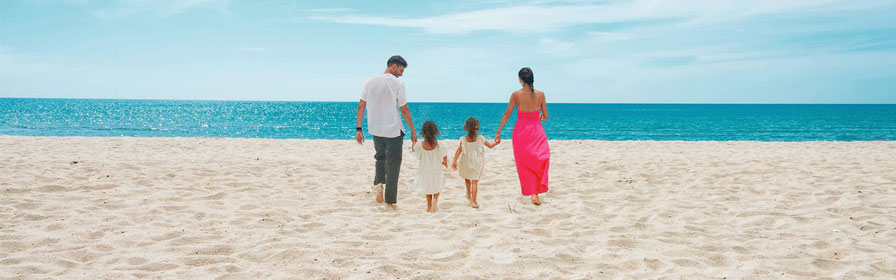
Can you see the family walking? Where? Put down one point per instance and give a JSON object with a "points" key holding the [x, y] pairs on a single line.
{"points": [[385, 101]]}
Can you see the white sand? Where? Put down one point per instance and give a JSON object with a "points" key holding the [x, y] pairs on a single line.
{"points": [[180, 208]]}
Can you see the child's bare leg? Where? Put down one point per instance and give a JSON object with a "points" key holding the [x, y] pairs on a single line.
{"points": [[475, 190], [468, 188], [435, 202], [428, 203]]}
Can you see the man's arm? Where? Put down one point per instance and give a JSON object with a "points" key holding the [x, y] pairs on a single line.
{"points": [[359, 136], [406, 113]]}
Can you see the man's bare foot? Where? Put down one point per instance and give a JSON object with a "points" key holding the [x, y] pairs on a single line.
{"points": [[379, 193], [474, 204], [535, 200], [391, 207]]}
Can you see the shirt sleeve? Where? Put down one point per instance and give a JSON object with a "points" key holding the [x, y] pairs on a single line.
{"points": [[400, 96], [364, 91]]}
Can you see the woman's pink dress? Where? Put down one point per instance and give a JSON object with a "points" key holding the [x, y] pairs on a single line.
{"points": [[531, 153]]}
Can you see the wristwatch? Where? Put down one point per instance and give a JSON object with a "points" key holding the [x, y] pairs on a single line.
{"points": [[358, 129]]}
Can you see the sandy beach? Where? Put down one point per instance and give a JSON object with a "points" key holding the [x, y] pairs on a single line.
{"points": [[197, 208]]}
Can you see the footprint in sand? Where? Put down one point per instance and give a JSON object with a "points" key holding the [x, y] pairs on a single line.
{"points": [[502, 258], [376, 237], [216, 196], [136, 261], [51, 188], [828, 264], [448, 256]]}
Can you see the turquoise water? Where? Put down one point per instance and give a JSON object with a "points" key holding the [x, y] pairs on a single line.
{"points": [[336, 120]]}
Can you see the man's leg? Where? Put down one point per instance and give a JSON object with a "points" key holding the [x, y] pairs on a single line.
{"points": [[379, 177], [393, 166]]}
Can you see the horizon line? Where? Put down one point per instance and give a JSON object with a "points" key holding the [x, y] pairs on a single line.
{"points": [[449, 102]]}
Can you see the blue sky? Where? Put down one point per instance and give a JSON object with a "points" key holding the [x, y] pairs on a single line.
{"points": [[713, 51]]}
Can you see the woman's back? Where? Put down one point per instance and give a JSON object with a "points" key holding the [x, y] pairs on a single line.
{"points": [[528, 102]]}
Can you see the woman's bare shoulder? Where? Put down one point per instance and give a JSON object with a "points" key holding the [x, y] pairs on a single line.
{"points": [[515, 94]]}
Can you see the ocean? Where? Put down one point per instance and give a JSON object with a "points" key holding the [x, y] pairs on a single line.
{"points": [[336, 120]]}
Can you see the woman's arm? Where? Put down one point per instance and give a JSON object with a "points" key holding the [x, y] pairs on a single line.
{"points": [[544, 107], [510, 105]]}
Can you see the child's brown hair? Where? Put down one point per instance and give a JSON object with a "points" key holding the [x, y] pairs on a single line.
{"points": [[472, 127], [429, 132]]}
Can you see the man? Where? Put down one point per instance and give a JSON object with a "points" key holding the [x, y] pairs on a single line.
{"points": [[382, 96]]}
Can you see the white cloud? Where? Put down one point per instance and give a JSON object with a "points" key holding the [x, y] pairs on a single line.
{"points": [[124, 8], [329, 10], [606, 37], [556, 47], [539, 18], [254, 49]]}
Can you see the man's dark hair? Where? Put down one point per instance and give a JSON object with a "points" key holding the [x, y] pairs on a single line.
{"points": [[396, 59]]}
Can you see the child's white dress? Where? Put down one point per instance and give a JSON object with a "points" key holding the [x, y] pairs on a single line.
{"points": [[471, 158], [430, 179]]}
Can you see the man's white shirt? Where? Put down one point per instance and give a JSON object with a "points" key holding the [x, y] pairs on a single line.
{"points": [[384, 95]]}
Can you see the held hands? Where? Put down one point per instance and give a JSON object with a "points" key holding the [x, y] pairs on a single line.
{"points": [[454, 165], [413, 139], [497, 139], [445, 162]]}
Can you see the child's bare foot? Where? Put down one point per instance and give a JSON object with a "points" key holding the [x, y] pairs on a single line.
{"points": [[474, 204], [379, 193], [468, 195], [535, 200]]}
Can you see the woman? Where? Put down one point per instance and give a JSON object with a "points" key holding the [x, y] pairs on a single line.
{"points": [[530, 143]]}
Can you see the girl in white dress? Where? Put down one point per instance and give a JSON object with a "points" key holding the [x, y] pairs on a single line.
{"points": [[472, 158], [430, 180]]}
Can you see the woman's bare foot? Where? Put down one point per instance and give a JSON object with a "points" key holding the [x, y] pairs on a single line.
{"points": [[474, 204], [535, 200], [379, 193]]}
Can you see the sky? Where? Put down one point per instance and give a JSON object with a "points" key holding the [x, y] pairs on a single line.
{"points": [[612, 51]]}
